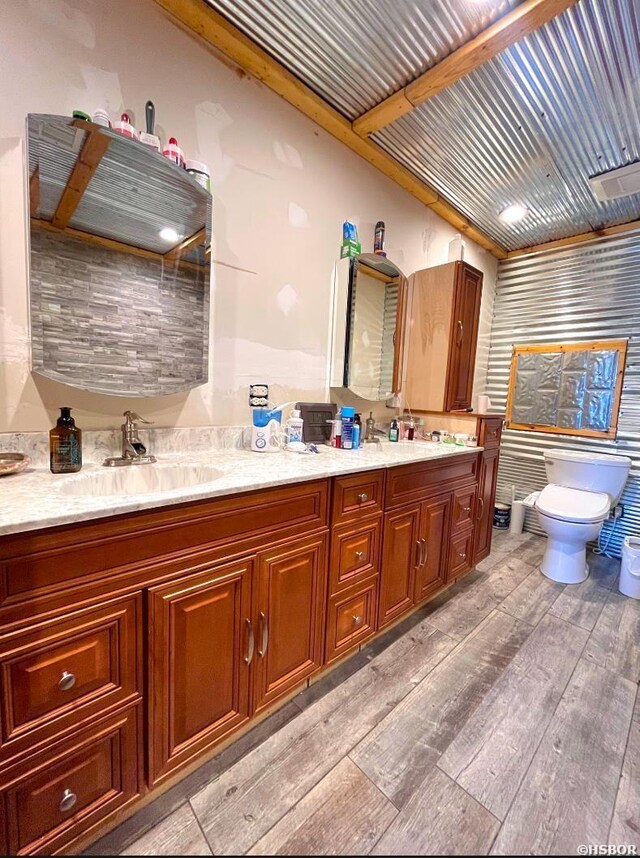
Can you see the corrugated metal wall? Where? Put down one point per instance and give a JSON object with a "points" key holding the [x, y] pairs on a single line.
{"points": [[573, 294]]}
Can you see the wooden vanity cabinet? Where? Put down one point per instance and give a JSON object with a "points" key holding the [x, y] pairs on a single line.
{"points": [[442, 337], [171, 629], [200, 643], [400, 558], [415, 557], [354, 565], [422, 540], [288, 618], [431, 572]]}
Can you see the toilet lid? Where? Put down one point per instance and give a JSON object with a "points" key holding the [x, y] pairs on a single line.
{"points": [[573, 504]]}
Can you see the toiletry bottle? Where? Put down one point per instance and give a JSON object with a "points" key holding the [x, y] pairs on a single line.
{"points": [[411, 429], [371, 425], [357, 431], [338, 430], [378, 239], [65, 445], [394, 430], [294, 427], [348, 413]]}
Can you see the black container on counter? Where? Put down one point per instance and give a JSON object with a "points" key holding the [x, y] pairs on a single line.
{"points": [[65, 445]]}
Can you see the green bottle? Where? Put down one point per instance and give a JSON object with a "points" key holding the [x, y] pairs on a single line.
{"points": [[65, 445], [394, 430]]}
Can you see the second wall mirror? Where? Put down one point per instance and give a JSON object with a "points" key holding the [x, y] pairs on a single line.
{"points": [[369, 305]]}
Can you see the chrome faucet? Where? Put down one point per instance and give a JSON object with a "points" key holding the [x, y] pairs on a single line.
{"points": [[133, 450]]}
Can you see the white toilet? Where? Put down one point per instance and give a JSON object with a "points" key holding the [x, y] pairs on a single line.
{"points": [[573, 507]]}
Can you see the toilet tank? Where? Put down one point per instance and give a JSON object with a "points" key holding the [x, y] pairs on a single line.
{"points": [[592, 472]]}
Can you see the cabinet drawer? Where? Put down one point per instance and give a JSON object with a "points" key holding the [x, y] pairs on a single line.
{"points": [[355, 551], [410, 483], [351, 618], [360, 494], [62, 671], [490, 432], [464, 501], [52, 799], [460, 554]]}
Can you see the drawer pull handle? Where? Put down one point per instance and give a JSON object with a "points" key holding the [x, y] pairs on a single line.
{"points": [[480, 507], [67, 801], [264, 626], [363, 497], [460, 333], [359, 555], [423, 552], [250, 642], [357, 619], [418, 553], [66, 681]]}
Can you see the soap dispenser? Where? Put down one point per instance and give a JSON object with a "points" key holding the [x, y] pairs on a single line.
{"points": [[65, 445]]}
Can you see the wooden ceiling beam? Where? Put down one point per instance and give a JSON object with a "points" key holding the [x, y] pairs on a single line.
{"points": [[619, 229], [197, 17], [510, 28], [93, 149]]}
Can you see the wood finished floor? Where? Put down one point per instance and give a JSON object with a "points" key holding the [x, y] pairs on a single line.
{"points": [[503, 718]]}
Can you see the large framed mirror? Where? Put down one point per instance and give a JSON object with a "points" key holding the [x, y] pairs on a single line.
{"points": [[369, 306], [120, 241]]}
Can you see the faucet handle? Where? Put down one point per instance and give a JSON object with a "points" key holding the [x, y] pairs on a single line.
{"points": [[132, 417]]}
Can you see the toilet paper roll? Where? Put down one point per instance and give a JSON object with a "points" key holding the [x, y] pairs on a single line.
{"points": [[484, 403], [517, 517]]}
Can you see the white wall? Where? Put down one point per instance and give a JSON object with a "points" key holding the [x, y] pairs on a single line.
{"points": [[282, 188]]}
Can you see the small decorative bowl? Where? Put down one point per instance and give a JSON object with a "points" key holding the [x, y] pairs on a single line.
{"points": [[12, 463]]}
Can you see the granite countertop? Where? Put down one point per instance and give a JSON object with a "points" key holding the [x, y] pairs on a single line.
{"points": [[36, 499]]}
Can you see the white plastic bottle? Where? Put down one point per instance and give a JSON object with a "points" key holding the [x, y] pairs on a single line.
{"points": [[294, 427]]}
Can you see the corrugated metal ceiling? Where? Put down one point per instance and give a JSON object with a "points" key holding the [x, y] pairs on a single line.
{"points": [[533, 124], [354, 53], [529, 126]]}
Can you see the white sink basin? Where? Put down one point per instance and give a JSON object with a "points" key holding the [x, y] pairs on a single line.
{"points": [[139, 479]]}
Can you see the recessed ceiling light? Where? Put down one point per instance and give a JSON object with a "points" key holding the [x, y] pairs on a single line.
{"points": [[513, 213], [168, 233]]}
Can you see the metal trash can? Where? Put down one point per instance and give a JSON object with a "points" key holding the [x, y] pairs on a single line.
{"points": [[502, 516], [630, 569]]}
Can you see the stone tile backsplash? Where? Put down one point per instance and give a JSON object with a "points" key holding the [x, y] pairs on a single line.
{"points": [[98, 445]]}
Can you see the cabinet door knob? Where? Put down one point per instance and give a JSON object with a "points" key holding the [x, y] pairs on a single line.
{"points": [[67, 801], [359, 555], [357, 619], [264, 642], [66, 681], [363, 497], [250, 642], [462, 556], [466, 509]]}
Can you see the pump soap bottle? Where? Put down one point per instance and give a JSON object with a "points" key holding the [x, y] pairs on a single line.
{"points": [[65, 445]]}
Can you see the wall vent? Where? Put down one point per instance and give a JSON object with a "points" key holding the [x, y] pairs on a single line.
{"points": [[621, 182]]}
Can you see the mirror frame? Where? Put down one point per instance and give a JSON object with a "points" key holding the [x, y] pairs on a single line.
{"points": [[345, 275]]}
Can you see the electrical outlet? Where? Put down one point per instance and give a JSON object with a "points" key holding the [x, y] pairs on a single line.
{"points": [[617, 511]]}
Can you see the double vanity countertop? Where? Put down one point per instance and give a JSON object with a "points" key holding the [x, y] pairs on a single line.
{"points": [[36, 499]]}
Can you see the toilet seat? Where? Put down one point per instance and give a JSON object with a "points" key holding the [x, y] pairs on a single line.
{"points": [[574, 505]]}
